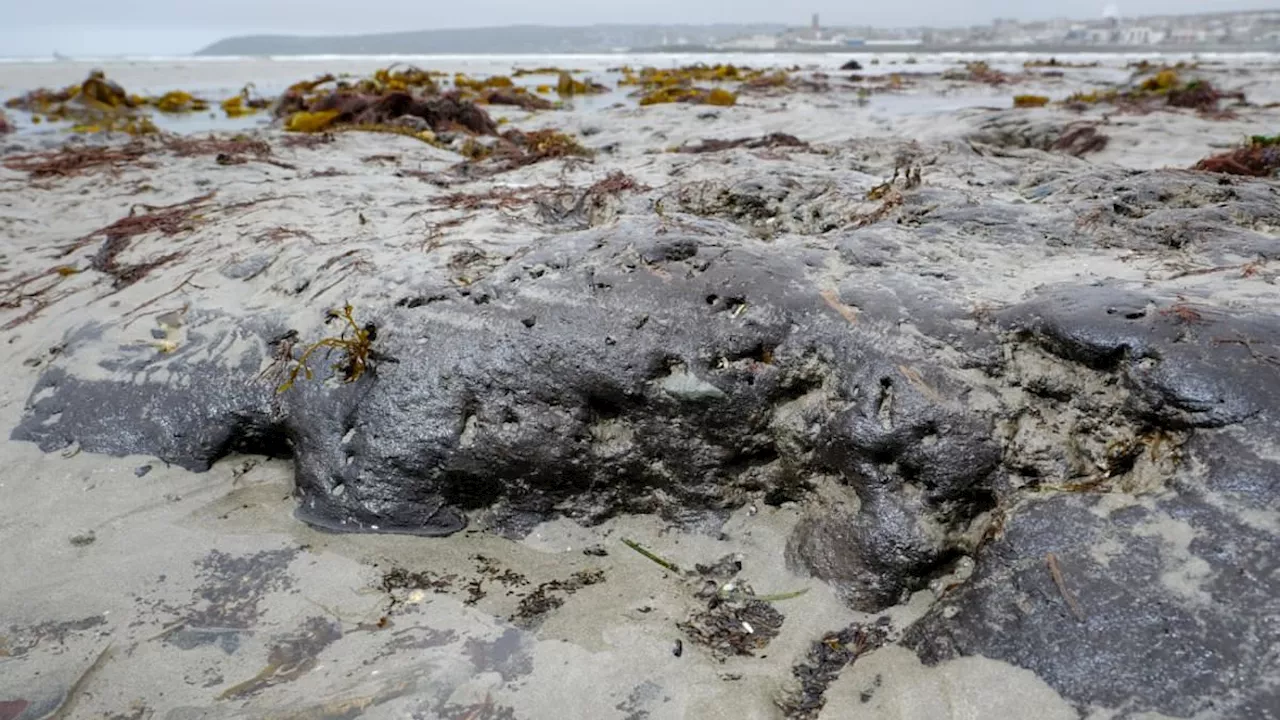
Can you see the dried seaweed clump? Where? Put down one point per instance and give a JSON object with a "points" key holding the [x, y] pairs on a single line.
{"points": [[1259, 158], [353, 345], [678, 84], [1146, 67], [518, 148], [406, 101], [978, 72], [1079, 140], [688, 94], [100, 105], [497, 90], [1030, 101], [1165, 88], [178, 101], [244, 103], [822, 665], [770, 141], [403, 112], [5, 125], [517, 96], [1054, 62], [552, 71], [567, 86], [650, 77], [739, 625]]}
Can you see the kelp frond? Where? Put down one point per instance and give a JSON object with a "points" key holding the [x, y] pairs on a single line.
{"points": [[354, 346]]}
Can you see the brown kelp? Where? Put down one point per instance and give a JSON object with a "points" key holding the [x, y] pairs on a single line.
{"points": [[678, 85], [245, 103], [1164, 88], [567, 86], [1260, 157], [353, 345], [770, 141], [978, 72], [1030, 101], [72, 160], [689, 94], [100, 105], [407, 101]]}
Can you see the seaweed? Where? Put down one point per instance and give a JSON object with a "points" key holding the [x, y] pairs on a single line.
{"points": [[822, 665], [1080, 140], [1054, 62], [978, 72], [661, 561], [650, 77], [540, 601], [5, 125], [308, 141], [290, 658], [616, 182], [495, 198], [244, 103], [1030, 101], [183, 146], [178, 101], [525, 72], [100, 105], [409, 114], [776, 79], [741, 625], [567, 86], [167, 220], [466, 82], [688, 94], [311, 122], [353, 344], [1165, 88], [69, 161], [1260, 157], [516, 149], [770, 141], [518, 97], [547, 143]]}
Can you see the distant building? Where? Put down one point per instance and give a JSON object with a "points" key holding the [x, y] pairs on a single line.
{"points": [[1139, 35], [751, 42]]}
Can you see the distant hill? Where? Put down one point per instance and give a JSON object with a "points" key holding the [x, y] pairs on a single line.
{"points": [[515, 39]]}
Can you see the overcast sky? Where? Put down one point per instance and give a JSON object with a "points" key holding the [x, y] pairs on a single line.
{"points": [[143, 27]]}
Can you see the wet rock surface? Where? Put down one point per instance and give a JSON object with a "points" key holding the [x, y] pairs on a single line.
{"points": [[1018, 361], [1163, 601]]}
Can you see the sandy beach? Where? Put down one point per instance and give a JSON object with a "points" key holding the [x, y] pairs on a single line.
{"points": [[857, 373]]}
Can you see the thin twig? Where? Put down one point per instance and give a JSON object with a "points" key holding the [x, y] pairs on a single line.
{"points": [[779, 597], [1056, 571], [64, 708], [661, 561], [161, 296]]}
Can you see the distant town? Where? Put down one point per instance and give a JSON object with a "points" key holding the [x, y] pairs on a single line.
{"points": [[1257, 28]]}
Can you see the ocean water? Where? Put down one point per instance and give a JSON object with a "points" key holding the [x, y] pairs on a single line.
{"points": [[216, 78]]}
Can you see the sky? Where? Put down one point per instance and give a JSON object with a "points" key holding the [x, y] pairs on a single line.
{"points": [[165, 27]]}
